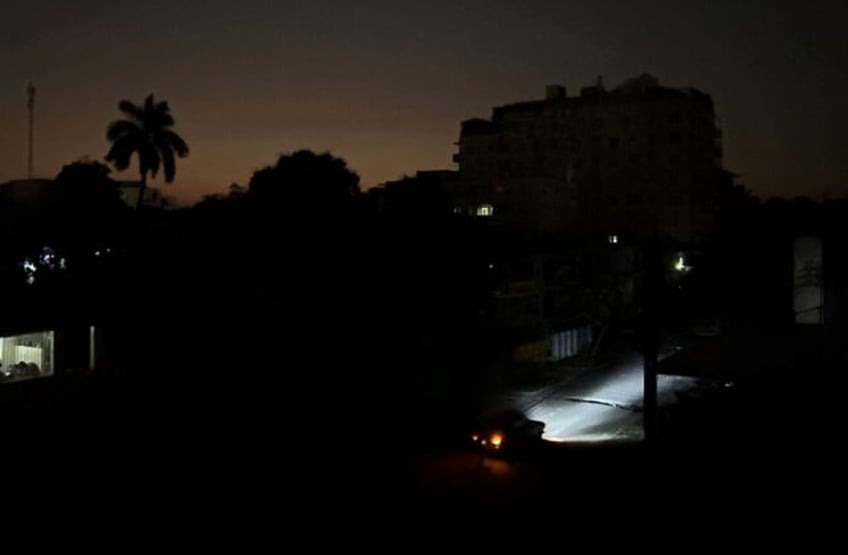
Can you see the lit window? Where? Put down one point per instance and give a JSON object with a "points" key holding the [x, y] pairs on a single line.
{"points": [[485, 210], [457, 209], [612, 239], [26, 356]]}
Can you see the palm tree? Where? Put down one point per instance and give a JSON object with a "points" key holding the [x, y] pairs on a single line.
{"points": [[146, 132]]}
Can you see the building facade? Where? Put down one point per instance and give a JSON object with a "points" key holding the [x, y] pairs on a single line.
{"points": [[616, 163]]}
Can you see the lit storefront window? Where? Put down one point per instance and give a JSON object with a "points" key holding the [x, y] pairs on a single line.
{"points": [[485, 210], [26, 356]]}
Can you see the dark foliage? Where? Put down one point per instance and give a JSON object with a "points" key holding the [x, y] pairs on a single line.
{"points": [[146, 133]]}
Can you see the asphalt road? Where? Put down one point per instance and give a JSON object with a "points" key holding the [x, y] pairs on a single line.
{"points": [[597, 404]]}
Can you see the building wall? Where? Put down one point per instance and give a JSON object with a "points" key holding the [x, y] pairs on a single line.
{"points": [[27, 191], [152, 196], [634, 154]]}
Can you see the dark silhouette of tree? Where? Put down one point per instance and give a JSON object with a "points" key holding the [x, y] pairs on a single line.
{"points": [[305, 178], [85, 188], [299, 215], [83, 206], [147, 133], [84, 170], [80, 200], [69, 219], [87, 183]]}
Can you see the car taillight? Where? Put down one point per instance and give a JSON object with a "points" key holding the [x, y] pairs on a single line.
{"points": [[496, 440]]}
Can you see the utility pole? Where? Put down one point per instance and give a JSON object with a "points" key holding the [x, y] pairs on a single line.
{"points": [[539, 271], [31, 108], [652, 283]]}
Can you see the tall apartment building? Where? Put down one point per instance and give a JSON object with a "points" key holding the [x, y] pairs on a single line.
{"points": [[601, 165]]}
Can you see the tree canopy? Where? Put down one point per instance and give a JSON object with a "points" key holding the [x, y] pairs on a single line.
{"points": [[146, 132], [304, 178]]}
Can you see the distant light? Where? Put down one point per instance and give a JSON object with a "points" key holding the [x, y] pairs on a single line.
{"points": [[457, 209], [680, 265], [485, 210], [491, 266], [97, 253], [612, 239]]}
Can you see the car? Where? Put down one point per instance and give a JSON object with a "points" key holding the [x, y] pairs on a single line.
{"points": [[507, 430]]}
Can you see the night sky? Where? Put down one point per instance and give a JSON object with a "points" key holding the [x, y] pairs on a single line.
{"points": [[385, 83]]}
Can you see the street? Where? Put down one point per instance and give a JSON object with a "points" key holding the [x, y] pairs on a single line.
{"points": [[596, 404]]}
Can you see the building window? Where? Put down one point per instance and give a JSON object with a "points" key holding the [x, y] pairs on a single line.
{"points": [[612, 239], [26, 356], [485, 210], [457, 209]]}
